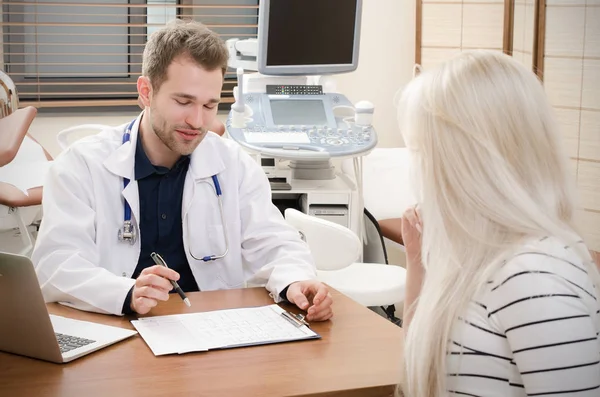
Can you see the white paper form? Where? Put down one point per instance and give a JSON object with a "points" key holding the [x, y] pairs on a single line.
{"points": [[219, 329], [166, 335]]}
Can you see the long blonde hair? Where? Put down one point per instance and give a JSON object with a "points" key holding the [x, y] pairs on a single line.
{"points": [[489, 172]]}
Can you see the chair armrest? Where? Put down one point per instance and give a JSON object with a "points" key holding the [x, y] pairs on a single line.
{"points": [[10, 196], [13, 129]]}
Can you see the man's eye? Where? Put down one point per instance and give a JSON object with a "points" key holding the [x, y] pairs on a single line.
{"points": [[209, 107], [182, 103]]}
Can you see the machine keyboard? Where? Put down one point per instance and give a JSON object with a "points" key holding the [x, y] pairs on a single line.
{"points": [[68, 342]]}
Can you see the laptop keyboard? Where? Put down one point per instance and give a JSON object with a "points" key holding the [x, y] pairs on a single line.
{"points": [[68, 342]]}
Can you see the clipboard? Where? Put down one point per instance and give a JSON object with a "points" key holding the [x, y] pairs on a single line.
{"points": [[222, 329]]}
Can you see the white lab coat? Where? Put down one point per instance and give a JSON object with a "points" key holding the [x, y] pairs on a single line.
{"points": [[81, 263]]}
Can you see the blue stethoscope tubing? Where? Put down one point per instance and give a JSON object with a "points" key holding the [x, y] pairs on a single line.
{"points": [[128, 231]]}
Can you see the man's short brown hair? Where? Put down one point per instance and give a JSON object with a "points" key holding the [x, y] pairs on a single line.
{"points": [[182, 38]]}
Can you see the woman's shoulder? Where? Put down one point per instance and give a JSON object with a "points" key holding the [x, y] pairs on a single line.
{"points": [[542, 269], [542, 256]]}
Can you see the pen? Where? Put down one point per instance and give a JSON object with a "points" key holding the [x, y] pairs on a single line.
{"points": [[296, 319], [161, 262]]}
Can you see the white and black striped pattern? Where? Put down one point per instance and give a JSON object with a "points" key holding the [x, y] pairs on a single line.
{"points": [[534, 331]]}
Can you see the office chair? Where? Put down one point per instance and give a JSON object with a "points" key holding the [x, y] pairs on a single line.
{"points": [[336, 250]]}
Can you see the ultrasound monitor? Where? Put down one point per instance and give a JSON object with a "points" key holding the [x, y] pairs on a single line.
{"points": [[308, 37]]}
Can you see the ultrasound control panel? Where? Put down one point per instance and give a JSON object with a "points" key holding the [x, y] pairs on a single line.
{"points": [[296, 125]]}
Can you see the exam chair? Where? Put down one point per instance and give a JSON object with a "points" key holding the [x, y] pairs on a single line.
{"points": [[336, 250], [13, 132]]}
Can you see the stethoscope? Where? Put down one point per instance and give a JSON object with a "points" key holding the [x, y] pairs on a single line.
{"points": [[128, 232]]}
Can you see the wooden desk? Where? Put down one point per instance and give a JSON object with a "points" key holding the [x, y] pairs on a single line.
{"points": [[359, 355]]}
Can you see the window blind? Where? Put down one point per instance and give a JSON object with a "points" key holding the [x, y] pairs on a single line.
{"points": [[88, 53]]}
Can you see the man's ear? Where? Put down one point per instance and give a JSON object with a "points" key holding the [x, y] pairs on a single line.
{"points": [[144, 88]]}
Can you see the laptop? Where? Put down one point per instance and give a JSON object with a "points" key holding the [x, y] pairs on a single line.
{"points": [[27, 328]]}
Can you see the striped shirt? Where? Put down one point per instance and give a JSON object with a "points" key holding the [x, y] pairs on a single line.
{"points": [[532, 331]]}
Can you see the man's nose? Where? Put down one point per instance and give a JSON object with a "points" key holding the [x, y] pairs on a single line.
{"points": [[195, 119]]}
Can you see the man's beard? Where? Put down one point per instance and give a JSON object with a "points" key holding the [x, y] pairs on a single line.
{"points": [[168, 135]]}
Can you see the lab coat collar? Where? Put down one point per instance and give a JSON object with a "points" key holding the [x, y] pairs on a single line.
{"points": [[205, 160], [121, 162]]}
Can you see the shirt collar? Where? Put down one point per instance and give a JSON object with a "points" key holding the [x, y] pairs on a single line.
{"points": [[143, 166]]}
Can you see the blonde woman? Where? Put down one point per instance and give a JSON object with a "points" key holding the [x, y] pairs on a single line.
{"points": [[502, 295]]}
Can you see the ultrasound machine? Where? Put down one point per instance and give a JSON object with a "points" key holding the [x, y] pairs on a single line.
{"points": [[288, 113]]}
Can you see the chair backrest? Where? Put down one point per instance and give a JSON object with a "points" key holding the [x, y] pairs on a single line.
{"points": [[333, 246], [374, 250], [71, 134]]}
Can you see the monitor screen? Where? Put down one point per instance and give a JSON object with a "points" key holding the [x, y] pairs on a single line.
{"points": [[308, 36], [298, 112]]}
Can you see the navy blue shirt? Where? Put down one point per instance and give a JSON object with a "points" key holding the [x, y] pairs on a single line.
{"points": [[161, 193]]}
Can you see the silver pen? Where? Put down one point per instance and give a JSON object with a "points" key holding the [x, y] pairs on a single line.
{"points": [[161, 262]]}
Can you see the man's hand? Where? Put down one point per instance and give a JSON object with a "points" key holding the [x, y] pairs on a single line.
{"points": [[312, 296], [151, 286]]}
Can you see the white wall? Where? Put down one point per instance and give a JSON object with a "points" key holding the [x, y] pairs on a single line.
{"points": [[387, 49]]}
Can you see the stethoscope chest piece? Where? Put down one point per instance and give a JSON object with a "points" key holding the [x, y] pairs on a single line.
{"points": [[127, 233]]}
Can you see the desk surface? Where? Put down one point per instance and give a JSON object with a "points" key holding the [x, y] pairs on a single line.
{"points": [[359, 355]]}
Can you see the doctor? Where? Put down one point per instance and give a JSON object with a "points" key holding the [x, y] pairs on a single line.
{"points": [[163, 183]]}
